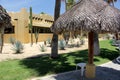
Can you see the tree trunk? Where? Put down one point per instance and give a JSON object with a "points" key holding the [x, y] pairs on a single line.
{"points": [[2, 39], [54, 53], [54, 49], [96, 44]]}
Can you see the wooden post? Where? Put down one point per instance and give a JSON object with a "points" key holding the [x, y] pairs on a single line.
{"points": [[90, 67], [90, 47]]}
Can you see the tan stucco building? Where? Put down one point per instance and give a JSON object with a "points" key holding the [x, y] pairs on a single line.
{"points": [[20, 30]]}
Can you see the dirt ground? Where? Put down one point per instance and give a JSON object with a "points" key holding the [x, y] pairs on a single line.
{"points": [[29, 51]]}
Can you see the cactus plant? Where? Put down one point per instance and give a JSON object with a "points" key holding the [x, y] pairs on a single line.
{"points": [[30, 26]]}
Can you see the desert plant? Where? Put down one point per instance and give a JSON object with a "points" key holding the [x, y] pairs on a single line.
{"points": [[36, 34], [62, 44], [82, 42], [42, 48], [71, 41], [78, 44], [30, 26], [17, 47], [48, 40], [12, 40], [81, 38]]}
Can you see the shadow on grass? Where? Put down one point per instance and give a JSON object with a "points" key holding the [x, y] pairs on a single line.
{"points": [[66, 62], [109, 54]]}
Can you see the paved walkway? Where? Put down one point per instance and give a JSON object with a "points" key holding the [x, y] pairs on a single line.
{"points": [[107, 71]]}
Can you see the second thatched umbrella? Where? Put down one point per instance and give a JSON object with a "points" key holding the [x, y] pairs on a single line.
{"points": [[91, 16], [5, 21]]}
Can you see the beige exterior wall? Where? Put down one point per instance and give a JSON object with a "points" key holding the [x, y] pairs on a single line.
{"points": [[20, 21]]}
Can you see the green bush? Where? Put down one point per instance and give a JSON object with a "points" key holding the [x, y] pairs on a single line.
{"points": [[17, 47], [42, 48], [105, 53], [112, 41]]}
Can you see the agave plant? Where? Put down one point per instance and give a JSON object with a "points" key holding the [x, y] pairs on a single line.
{"points": [[62, 44], [42, 48], [17, 47], [12, 40], [49, 40]]}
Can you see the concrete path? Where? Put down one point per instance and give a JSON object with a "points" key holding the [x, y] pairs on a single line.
{"points": [[107, 71]]}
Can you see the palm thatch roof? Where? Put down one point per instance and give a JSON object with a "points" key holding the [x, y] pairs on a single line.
{"points": [[89, 15], [5, 19]]}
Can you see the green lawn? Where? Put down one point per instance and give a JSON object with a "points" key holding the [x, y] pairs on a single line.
{"points": [[43, 65]]}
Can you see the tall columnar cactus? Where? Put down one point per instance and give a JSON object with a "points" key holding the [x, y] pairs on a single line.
{"points": [[30, 26]]}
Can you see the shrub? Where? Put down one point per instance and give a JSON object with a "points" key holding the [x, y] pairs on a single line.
{"points": [[49, 40], [17, 47], [62, 44], [112, 41], [78, 44], [105, 53], [12, 40], [42, 48], [82, 42], [71, 45]]}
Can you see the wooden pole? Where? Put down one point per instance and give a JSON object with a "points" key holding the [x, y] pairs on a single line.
{"points": [[90, 47]]}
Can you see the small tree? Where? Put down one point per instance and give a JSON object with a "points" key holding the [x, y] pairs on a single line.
{"points": [[36, 34]]}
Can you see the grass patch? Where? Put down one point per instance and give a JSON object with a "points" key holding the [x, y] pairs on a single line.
{"points": [[44, 65]]}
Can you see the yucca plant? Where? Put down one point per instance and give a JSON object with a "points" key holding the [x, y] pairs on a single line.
{"points": [[42, 48], [17, 47], [62, 44], [12, 40]]}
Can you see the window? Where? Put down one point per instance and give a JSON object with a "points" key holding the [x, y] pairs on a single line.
{"points": [[41, 29], [9, 30]]}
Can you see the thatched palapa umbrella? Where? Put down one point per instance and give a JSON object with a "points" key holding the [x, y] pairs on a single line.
{"points": [[91, 16], [5, 21]]}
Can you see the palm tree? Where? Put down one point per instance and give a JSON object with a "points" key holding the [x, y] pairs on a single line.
{"points": [[54, 49]]}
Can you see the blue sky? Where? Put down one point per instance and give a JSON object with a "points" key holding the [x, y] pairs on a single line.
{"points": [[38, 6]]}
